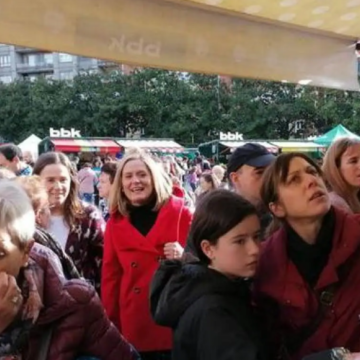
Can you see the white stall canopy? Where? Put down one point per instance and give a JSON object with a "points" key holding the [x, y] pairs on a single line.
{"points": [[31, 145]]}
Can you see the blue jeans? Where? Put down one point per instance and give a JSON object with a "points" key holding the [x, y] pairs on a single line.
{"points": [[88, 198]]}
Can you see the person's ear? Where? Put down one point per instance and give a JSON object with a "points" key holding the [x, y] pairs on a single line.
{"points": [[277, 209], [234, 177], [207, 249], [16, 160]]}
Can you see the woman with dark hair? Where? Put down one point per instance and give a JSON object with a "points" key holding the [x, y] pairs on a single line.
{"points": [[208, 182], [78, 227], [207, 302], [106, 180], [309, 267], [39, 198]]}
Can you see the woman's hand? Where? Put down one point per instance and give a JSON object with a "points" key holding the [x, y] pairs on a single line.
{"points": [[352, 356], [10, 300], [173, 251]]}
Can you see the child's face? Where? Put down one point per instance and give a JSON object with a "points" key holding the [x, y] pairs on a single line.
{"points": [[12, 259]]}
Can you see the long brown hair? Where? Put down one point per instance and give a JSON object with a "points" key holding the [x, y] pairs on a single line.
{"points": [[332, 172], [74, 209], [276, 175]]}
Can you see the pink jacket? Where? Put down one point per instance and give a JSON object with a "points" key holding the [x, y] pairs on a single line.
{"points": [[87, 180]]}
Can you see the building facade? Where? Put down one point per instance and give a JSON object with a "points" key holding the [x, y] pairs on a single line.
{"points": [[26, 63]]}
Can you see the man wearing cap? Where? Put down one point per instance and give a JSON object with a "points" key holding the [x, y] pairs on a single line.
{"points": [[245, 169]]}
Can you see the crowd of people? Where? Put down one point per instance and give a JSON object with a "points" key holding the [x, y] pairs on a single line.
{"points": [[160, 258]]}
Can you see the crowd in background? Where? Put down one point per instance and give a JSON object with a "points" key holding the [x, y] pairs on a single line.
{"points": [[257, 260]]}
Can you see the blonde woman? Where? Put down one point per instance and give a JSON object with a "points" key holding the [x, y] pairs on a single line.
{"points": [[147, 224], [342, 172], [219, 172]]}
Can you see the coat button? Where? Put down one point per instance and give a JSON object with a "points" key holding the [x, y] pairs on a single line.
{"points": [[137, 290], [134, 264]]}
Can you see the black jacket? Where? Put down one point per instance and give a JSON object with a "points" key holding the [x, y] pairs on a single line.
{"points": [[210, 314]]}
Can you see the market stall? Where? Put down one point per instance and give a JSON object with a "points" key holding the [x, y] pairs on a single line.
{"points": [[96, 146], [284, 40], [220, 151], [309, 147], [31, 144], [336, 133], [157, 146]]}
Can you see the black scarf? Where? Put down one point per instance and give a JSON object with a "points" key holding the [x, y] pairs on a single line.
{"points": [[143, 217], [310, 260]]}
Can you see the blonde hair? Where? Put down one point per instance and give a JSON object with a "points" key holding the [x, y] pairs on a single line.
{"points": [[35, 190], [17, 216], [119, 204], [219, 172], [332, 172]]}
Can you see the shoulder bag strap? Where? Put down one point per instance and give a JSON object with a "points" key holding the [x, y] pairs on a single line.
{"points": [[45, 344], [179, 222], [292, 342]]}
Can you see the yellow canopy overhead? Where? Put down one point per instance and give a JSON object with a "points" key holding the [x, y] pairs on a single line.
{"points": [[334, 16], [266, 39]]}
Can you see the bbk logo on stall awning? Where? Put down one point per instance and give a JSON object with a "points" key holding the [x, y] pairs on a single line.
{"points": [[72, 133], [231, 136]]}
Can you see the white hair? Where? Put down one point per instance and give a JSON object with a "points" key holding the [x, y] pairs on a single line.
{"points": [[17, 216]]}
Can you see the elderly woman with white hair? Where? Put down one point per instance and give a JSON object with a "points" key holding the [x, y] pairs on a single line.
{"points": [[53, 318]]}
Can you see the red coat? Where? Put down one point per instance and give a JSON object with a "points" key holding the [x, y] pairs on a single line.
{"points": [[279, 279], [129, 263], [178, 191]]}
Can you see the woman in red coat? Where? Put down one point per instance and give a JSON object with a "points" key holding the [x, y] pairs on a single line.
{"points": [[147, 224], [309, 269]]}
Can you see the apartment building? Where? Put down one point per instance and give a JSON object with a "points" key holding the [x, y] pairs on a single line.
{"points": [[26, 63]]}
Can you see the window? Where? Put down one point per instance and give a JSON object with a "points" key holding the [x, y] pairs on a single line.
{"points": [[65, 58], [5, 60], [38, 59], [6, 79], [66, 75], [48, 58]]}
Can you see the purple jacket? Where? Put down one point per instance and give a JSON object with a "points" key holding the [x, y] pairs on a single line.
{"points": [[74, 312]]}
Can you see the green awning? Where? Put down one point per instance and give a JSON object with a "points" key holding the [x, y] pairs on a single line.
{"points": [[334, 134]]}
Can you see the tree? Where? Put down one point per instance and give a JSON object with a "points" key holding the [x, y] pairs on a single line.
{"points": [[191, 108]]}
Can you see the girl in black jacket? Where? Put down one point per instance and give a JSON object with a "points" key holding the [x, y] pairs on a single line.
{"points": [[207, 302]]}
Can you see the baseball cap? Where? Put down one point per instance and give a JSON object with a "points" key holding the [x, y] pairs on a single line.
{"points": [[250, 154]]}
